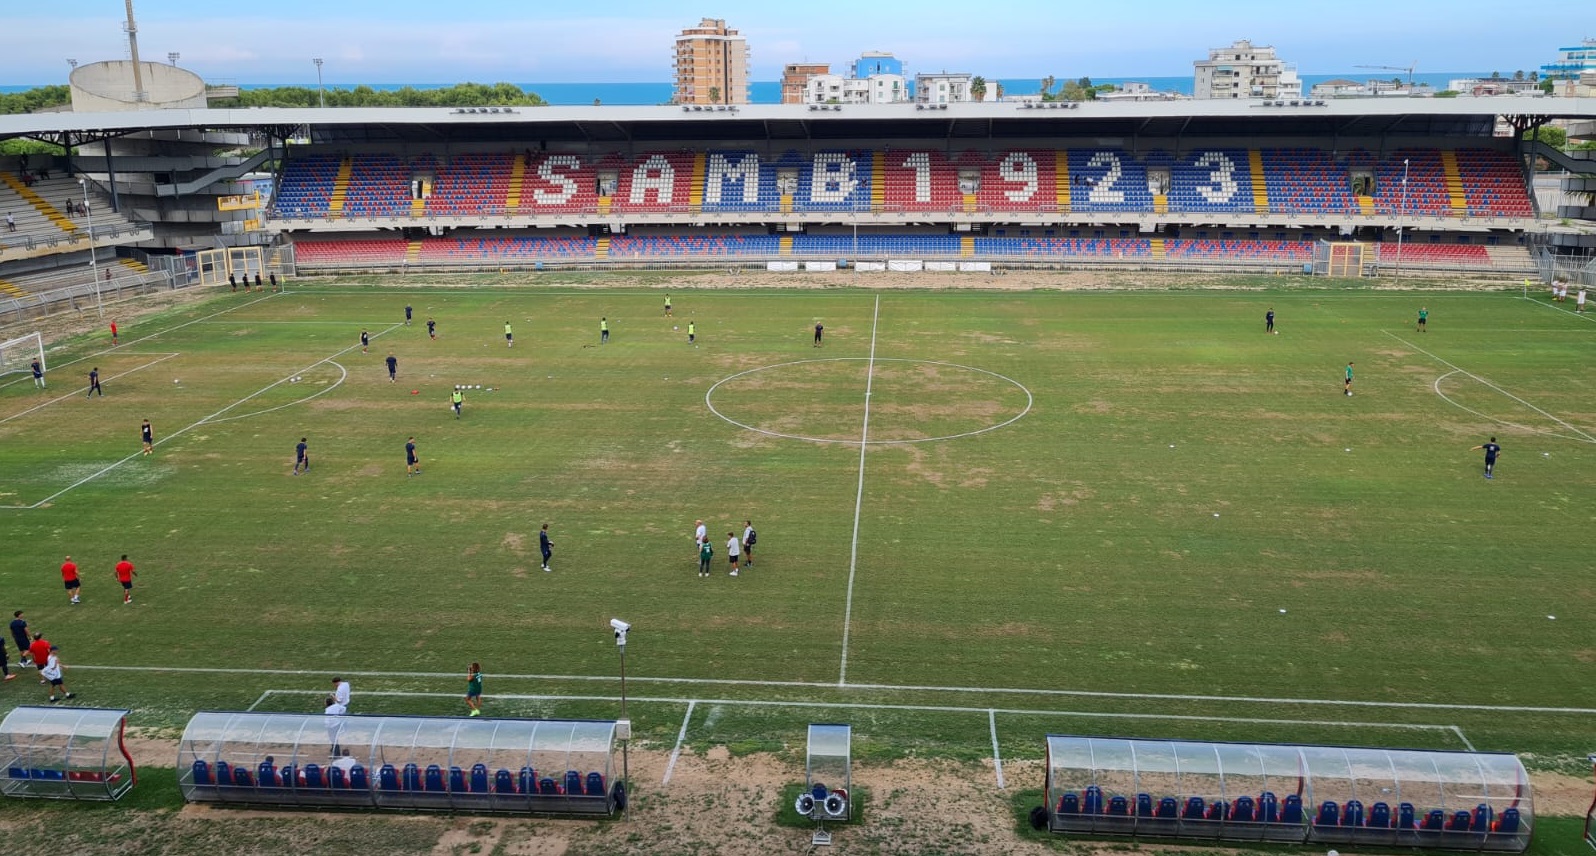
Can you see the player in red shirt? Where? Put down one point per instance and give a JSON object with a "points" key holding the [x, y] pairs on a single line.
{"points": [[39, 650], [125, 575], [113, 329], [69, 577]]}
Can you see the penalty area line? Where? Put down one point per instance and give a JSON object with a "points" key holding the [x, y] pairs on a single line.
{"points": [[1466, 372]]}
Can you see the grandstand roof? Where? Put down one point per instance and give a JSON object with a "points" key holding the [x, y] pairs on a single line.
{"points": [[1000, 120]]}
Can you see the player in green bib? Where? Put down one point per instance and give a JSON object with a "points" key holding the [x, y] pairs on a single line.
{"points": [[705, 553], [455, 400], [473, 696], [1347, 387], [1424, 316], [604, 330]]}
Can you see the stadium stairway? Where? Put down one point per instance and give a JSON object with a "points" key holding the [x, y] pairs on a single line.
{"points": [[695, 197], [413, 252], [1156, 247], [1061, 179], [340, 191], [10, 290], [784, 248], [601, 248], [45, 209], [1456, 198], [878, 181], [134, 265], [1260, 187], [512, 197]]}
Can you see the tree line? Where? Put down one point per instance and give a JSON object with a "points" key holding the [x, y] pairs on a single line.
{"points": [[459, 95]]}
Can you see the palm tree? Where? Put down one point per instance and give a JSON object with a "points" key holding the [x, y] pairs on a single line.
{"points": [[978, 88]]}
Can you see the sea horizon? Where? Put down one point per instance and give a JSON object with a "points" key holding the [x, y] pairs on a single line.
{"points": [[641, 93]]}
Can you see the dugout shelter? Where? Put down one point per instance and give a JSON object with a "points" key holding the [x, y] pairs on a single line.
{"points": [[69, 753], [1288, 792], [479, 765]]}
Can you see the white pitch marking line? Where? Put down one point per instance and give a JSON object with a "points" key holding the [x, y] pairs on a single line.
{"points": [[259, 700], [1023, 691], [1580, 315], [343, 376], [818, 705], [186, 429], [670, 766], [132, 342], [858, 502], [1437, 387], [1572, 428], [997, 760], [1459, 733], [81, 390]]}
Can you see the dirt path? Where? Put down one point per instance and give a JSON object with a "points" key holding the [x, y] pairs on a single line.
{"points": [[721, 804]]}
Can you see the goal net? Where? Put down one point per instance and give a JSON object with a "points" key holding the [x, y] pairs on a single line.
{"points": [[17, 355]]}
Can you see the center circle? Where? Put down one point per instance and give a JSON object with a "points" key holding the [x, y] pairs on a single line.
{"points": [[786, 398]]}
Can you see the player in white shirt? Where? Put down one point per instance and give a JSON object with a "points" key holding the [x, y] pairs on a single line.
{"points": [[341, 692], [733, 551], [749, 537], [1579, 301], [700, 535]]}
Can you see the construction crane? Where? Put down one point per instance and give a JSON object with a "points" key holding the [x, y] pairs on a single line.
{"points": [[1409, 69]]}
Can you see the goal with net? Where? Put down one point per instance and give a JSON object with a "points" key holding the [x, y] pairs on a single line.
{"points": [[17, 355]]}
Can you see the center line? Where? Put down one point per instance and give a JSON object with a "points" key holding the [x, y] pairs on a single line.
{"points": [[858, 502]]}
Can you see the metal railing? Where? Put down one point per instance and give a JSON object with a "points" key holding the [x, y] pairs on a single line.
{"points": [[86, 295]]}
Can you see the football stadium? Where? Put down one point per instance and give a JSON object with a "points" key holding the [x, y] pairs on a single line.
{"points": [[968, 477]]}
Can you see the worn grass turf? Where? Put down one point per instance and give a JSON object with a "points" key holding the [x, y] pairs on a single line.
{"points": [[1189, 508]]}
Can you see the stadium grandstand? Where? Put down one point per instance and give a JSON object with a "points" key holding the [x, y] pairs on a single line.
{"points": [[1442, 184]]}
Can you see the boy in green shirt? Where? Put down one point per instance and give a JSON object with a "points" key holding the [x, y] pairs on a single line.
{"points": [[705, 553]]}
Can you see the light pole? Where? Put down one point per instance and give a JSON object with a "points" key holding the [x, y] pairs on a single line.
{"points": [[94, 272], [173, 57], [1402, 215], [73, 63], [624, 726], [321, 94]]}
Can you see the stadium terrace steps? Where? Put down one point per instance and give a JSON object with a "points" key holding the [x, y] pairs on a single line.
{"points": [[601, 249], [1260, 186], [340, 188], [39, 203], [512, 198], [134, 265], [1156, 246], [1454, 183], [413, 252], [10, 290]]}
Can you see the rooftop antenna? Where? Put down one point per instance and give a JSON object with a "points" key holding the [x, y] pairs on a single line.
{"points": [[1407, 68], [132, 29]]}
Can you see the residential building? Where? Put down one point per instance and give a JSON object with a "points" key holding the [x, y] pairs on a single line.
{"points": [[942, 88], [1572, 62], [711, 64], [875, 62], [875, 89], [1133, 91], [795, 78], [1244, 70]]}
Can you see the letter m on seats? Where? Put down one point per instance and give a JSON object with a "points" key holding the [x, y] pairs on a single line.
{"points": [[723, 169]]}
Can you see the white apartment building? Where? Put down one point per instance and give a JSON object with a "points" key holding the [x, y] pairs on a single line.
{"points": [[942, 88], [875, 89], [1245, 71]]}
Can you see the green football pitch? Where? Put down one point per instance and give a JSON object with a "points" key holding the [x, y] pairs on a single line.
{"points": [[981, 515]]}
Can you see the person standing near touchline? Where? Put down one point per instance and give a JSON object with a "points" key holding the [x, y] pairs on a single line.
{"points": [[545, 546]]}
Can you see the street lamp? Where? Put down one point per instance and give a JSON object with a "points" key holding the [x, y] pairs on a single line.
{"points": [[1402, 214], [94, 272], [321, 94], [623, 728], [72, 62], [173, 57]]}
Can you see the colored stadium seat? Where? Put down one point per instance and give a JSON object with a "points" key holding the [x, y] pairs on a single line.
{"points": [[503, 782], [1194, 810], [1118, 806], [412, 777], [479, 778], [1069, 803], [1379, 816], [1329, 814], [1092, 800], [433, 779], [387, 778], [595, 784], [1244, 810]]}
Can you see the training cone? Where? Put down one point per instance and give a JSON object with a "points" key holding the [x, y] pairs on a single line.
{"points": [[415, 392]]}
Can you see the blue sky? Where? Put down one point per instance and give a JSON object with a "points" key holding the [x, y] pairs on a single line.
{"points": [[630, 40]]}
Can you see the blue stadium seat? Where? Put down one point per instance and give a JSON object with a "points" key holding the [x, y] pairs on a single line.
{"points": [[1435, 821], [1379, 816], [1244, 810], [242, 778], [358, 779], [433, 779], [1507, 824], [1092, 800], [595, 784], [387, 778], [1291, 810], [1168, 808], [1069, 803], [1218, 810], [548, 787], [527, 782], [503, 782], [1353, 816], [457, 782], [288, 775], [266, 773], [1118, 806], [337, 779], [1405, 817], [1482, 818], [1461, 821], [202, 773], [573, 782], [224, 773], [1329, 814], [313, 777], [1195, 808], [479, 778], [1144, 805], [412, 777]]}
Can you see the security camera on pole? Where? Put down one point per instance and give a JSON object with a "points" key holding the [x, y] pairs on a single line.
{"points": [[623, 727]]}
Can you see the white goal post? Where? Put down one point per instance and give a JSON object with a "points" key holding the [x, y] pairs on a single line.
{"points": [[17, 355]]}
